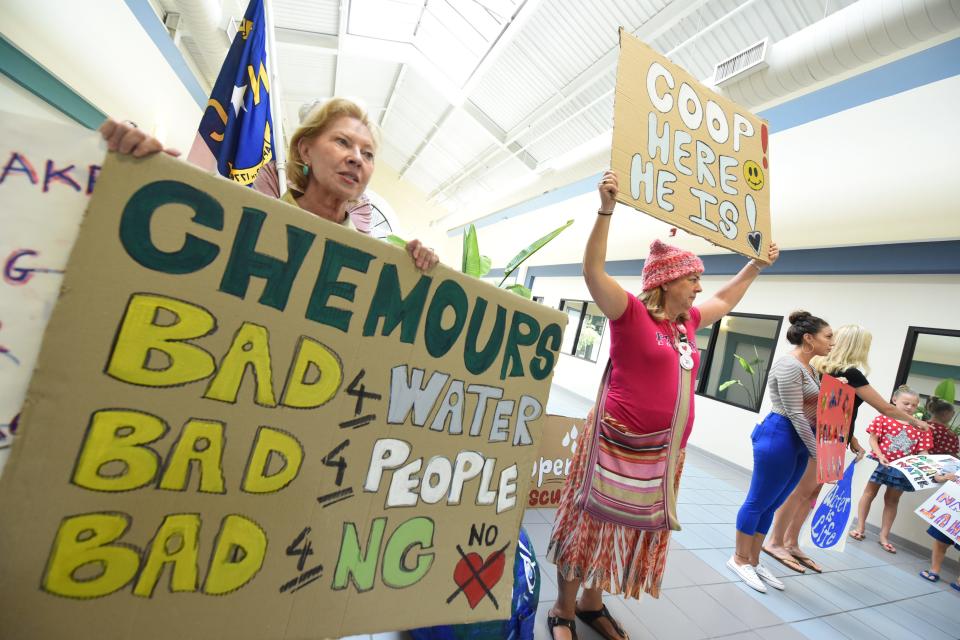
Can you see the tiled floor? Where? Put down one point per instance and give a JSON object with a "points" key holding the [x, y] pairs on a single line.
{"points": [[863, 592]]}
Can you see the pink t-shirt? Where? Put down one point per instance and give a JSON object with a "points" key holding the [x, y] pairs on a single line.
{"points": [[646, 369]]}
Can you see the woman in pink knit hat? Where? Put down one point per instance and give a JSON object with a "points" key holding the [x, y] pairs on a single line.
{"points": [[619, 503]]}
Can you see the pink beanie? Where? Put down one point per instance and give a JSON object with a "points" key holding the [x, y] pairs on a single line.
{"points": [[666, 263]]}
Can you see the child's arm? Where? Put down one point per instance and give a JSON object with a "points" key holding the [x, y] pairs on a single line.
{"points": [[943, 477], [875, 448]]}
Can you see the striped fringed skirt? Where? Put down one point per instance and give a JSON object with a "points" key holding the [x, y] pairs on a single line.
{"points": [[611, 557]]}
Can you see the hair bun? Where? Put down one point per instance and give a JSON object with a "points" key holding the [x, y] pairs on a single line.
{"points": [[799, 316]]}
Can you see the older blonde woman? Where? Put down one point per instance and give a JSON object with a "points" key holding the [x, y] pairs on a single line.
{"points": [[847, 360], [330, 162]]}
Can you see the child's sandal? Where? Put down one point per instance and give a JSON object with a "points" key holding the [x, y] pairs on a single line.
{"points": [[930, 576]]}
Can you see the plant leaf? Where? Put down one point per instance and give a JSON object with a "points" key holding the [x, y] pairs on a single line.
{"points": [[397, 241], [471, 253], [729, 383], [519, 259], [485, 264], [743, 363], [946, 391], [520, 290]]}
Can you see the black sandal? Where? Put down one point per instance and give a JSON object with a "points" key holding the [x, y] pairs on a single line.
{"points": [[557, 621], [590, 618]]}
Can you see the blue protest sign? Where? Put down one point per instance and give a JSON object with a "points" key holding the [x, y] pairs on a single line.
{"points": [[831, 517]]}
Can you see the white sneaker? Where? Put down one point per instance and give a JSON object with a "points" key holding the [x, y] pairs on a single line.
{"points": [[767, 576], [747, 573]]}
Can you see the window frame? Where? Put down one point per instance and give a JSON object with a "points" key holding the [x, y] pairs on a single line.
{"points": [[576, 337], [910, 347], [707, 362]]}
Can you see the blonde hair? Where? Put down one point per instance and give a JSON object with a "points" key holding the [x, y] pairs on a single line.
{"points": [[316, 122], [851, 347], [653, 301], [904, 390]]}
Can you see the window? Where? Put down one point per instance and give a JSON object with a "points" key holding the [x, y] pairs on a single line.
{"points": [[930, 356], [738, 356], [538, 299], [704, 336], [585, 326]]}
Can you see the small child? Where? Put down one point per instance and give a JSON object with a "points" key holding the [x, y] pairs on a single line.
{"points": [[946, 442], [890, 440]]}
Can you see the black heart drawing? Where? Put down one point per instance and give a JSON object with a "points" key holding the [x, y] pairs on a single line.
{"points": [[754, 237]]}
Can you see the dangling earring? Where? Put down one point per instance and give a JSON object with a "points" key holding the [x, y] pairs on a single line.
{"points": [[306, 169]]}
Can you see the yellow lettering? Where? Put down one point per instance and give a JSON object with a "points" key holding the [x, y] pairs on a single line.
{"points": [[255, 80], [144, 332], [84, 563], [118, 438], [315, 360], [200, 441], [238, 556], [258, 478], [176, 542], [250, 348]]}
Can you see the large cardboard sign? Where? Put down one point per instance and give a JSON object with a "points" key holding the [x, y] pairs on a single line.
{"points": [[834, 412], [551, 468], [687, 155], [47, 175], [830, 520], [920, 469], [247, 422], [942, 510]]}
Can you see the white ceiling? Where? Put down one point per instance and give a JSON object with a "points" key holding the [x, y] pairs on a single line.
{"points": [[478, 97], [484, 103]]}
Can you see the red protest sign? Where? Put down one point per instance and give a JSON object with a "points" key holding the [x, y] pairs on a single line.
{"points": [[834, 408]]}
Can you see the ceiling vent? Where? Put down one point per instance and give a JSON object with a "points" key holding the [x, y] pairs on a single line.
{"points": [[748, 61]]}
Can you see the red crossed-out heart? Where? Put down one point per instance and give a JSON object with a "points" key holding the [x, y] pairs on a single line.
{"points": [[474, 581]]}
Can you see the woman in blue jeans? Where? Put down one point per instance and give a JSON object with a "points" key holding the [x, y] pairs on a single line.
{"points": [[782, 444]]}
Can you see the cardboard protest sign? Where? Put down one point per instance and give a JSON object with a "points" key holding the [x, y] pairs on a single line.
{"points": [[687, 155], [942, 510], [47, 176], [920, 469], [830, 520], [247, 422], [834, 412], [551, 468]]}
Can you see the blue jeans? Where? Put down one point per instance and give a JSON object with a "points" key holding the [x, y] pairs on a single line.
{"points": [[779, 459]]}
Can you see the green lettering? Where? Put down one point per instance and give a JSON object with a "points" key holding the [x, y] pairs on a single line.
{"points": [[336, 256], [479, 361], [388, 303], [245, 262], [361, 566], [194, 254], [439, 340], [512, 365], [542, 365], [416, 532]]}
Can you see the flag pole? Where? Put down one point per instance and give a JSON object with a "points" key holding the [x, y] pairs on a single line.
{"points": [[279, 148]]}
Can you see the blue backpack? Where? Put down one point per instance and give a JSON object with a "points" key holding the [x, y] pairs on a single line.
{"points": [[526, 595]]}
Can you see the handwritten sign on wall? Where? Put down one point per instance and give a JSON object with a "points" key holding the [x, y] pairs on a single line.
{"points": [[248, 422], [687, 155], [47, 173], [551, 468]]}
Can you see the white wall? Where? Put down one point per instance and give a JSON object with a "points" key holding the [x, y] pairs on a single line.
{"points": [[886, 305], [101, 51]]}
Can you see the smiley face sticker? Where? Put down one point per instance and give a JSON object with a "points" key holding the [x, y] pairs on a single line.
{"points": [[753, 174]]}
